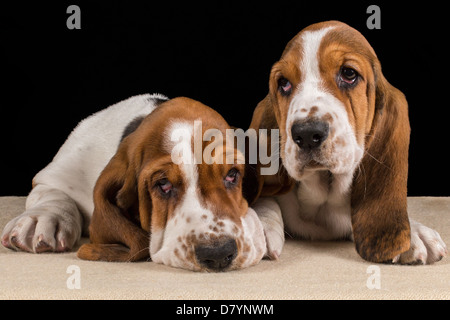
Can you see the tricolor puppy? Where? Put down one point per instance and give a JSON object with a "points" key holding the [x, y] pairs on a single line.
{"points": [[181, 213], [344, 139]]}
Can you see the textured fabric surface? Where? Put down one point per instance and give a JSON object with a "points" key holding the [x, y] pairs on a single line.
{"points": [[305, 270]]}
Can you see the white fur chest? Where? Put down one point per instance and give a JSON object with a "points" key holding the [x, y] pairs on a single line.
{"points": [[318, 208]]}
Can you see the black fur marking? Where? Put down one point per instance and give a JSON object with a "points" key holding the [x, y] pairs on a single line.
{"points": [[157, 101], [136, 122], [132, 126]]}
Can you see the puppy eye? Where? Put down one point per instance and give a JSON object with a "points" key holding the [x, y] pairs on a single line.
{"points": [[231, 178], [348, 76], [165, 186], [284, 86]]}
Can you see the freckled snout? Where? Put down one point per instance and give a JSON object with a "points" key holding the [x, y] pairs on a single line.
{"points": [[309, 135], [217, 256]]}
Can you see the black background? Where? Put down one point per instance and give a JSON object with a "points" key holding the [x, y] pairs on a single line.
{"points": [[219, 53]]}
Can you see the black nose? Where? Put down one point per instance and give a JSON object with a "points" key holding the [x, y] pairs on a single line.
{"points": [[216, 257], [309, 135]]}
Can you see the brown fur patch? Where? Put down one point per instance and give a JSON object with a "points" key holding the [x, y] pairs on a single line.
{"points": [[327, 118], [312, 112]]}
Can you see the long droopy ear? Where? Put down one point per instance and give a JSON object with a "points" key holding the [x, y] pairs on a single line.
{"points": [[380, 221], [252, 183], [280, 182], [145, 202], [115, 231]]}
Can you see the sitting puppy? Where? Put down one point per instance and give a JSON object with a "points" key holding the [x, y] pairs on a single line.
{"points": [[151, 199], [344, 138]]}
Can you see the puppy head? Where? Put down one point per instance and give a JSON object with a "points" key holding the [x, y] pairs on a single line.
{"points": [[190, 197], [325, 91]]}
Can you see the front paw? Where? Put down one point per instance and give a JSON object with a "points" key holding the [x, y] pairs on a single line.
{"points": [[426, 246], [269, 213], [40, 231], [274, 242]]}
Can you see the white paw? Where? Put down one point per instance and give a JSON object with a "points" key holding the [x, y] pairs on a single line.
{"points": [[274, 242], [38, 230], [269, 213], [426, 246]]}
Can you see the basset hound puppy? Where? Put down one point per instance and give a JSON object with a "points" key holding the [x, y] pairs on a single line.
{"points": [[344, 139], [148, 200]]}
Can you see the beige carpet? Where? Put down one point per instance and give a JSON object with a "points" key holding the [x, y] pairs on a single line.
{"points": [[306, 270]]}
